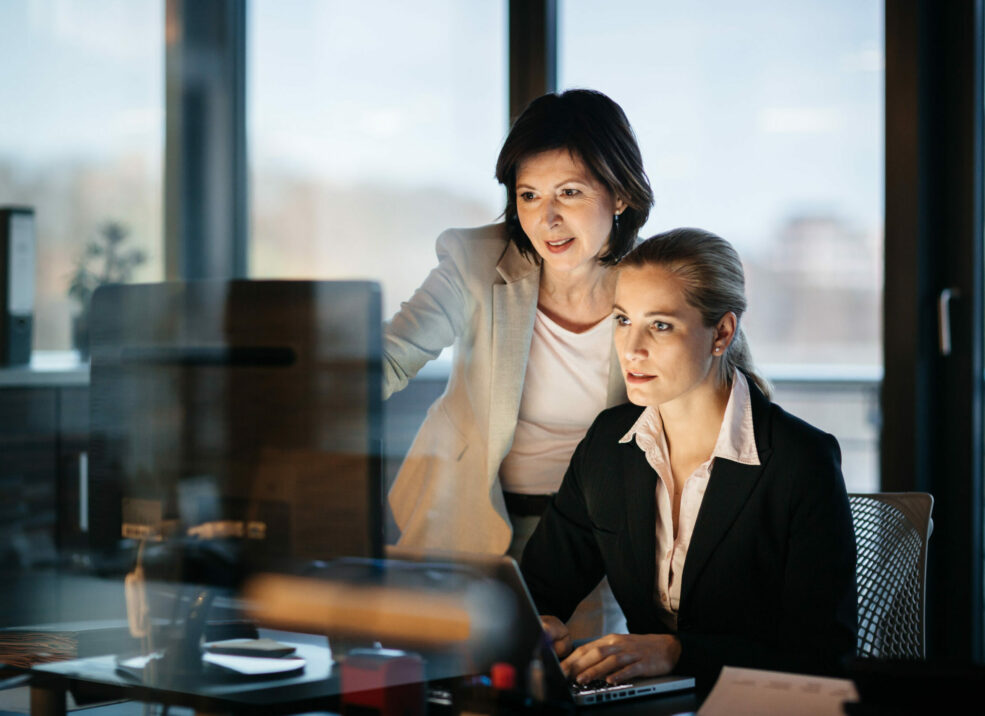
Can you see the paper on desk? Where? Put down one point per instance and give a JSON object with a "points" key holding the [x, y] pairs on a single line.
{"points": [[255, 665], [748, 692]]}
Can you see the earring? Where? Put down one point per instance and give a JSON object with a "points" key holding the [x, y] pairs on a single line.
{"points": [[615, 220]]}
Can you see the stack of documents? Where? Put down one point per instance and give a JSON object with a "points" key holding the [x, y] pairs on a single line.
{"points": [[25, 646]]}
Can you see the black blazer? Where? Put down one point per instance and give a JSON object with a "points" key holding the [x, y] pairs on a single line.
{"points": [[769, 579]]}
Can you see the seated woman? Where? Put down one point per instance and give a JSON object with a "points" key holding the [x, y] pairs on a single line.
{"points": [[720, 520]]}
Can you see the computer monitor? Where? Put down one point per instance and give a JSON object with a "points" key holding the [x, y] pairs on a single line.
{"points": [[242, 412]]}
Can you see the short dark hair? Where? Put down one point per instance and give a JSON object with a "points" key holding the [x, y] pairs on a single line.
{"points": [[595, 129]]}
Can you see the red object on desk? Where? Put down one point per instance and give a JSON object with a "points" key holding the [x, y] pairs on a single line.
{"points": [[503, 676], [386, 680]]}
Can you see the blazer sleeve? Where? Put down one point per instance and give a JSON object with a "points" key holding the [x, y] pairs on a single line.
{"points": [[430, 320], [816, 621], [562, 563]]}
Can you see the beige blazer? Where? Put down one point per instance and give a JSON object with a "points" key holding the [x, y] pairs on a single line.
{"points": [[482, 296]]}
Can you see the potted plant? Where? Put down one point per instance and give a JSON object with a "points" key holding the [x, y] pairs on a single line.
{"points": [[104, 260]]}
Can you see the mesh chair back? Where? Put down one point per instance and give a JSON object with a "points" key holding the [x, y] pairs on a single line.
{"points": [[891, 534]]}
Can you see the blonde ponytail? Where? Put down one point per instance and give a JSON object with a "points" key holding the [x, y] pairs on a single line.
{"points": [[714, 283]]}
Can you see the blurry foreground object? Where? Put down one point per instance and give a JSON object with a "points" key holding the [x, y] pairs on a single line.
{"points": [[459, 618], [18, 261], [393, 615], [388, 681], [104, 261], [241, 418]]}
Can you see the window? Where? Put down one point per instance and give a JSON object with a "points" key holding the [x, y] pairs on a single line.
{"points": [[82, 136], [763, 122], [372, 127]]}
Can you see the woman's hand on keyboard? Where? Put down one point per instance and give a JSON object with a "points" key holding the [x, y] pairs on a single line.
{"points": [[558, 633], [620, 657]]}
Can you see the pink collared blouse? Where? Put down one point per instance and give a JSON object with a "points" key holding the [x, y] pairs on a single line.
{"points": [[736, 442]]}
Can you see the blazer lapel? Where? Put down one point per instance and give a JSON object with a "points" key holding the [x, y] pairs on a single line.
{"points": [[514, 311], [616, 394], [640, 490], [729, 487]]}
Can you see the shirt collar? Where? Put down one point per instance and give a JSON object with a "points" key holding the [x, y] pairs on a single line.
{"points": [[736, 438]]}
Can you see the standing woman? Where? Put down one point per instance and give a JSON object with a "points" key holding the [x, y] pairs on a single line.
{"points": [[526, 304], [720, 520]]}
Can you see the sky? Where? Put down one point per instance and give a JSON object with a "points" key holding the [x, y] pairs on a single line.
{"points": [[746, 112], [81, 79]]}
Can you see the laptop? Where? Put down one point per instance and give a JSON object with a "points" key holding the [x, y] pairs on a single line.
{"points": [[530, 636], [558, 685]]}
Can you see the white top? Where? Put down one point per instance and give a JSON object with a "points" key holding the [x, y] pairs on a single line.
{"points": [[736, 442], [564, 389]]}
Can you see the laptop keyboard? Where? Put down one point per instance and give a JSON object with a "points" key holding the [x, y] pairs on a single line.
{"points": [[595, 685]]}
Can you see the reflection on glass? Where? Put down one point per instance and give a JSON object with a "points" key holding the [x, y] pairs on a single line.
{"points": [[236, 423]]}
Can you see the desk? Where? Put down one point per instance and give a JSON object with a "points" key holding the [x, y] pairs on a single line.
{"points": [[318, 688]]}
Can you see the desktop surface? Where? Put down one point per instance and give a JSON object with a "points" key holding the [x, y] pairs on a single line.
{"points": [[318, 688]]}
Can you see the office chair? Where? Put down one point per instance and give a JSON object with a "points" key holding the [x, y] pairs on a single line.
{"points": [[891, 534]]}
